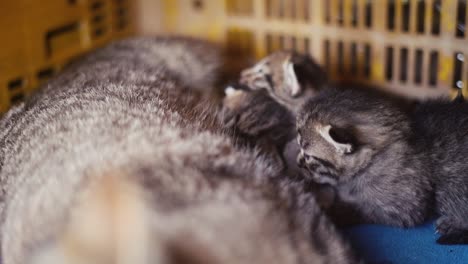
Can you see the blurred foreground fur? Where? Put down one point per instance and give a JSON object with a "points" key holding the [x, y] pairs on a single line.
{"points": [[121, 160]]}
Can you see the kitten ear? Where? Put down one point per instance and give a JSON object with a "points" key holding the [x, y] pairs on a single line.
{"points": [[291, 80], [337, 137], [308, 71]]}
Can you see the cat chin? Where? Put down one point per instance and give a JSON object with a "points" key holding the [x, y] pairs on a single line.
{"points": [[325, 180]]}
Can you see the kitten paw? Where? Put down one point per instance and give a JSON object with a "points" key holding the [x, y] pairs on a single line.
{"points": [[451, 232], [458, 238], [445, 225]]}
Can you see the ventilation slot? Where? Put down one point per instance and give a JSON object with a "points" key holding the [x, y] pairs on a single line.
{"points": [[326, 55], [354, 58], [461, 19], [367, 60], [122, 14], [340, 18], [418, 65], [327, 11], [269, 43], [292, 9], [98, 19], [293, 43], [98, 14], [240, 42], [239, 7], [61, 38], [281, 42], [420, 16], [45, 74], [15, 84], [306, 45], [96, 6], [281, 8], [391, 15], [268, 12], [198, 5], [457, 73], [17, 98], [354, 13], [405, 8], [389, 64], [340, 55], [368, 10], [433, 68], [436, 9], [403, 64], [99, 32], [305, 9]]}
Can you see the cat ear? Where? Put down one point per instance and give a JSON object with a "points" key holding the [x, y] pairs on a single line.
{"points": [[291, 80], [337, 137], [308, 71]]}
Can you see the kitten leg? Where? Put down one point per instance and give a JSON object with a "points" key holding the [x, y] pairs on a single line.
{"points": [[452, 207]]}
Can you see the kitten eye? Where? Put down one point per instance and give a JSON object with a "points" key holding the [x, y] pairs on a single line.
{"points": [[307, 157]]}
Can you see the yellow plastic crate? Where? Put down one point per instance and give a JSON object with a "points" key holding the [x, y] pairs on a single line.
{"points": [[40, 37], [413, 47]]}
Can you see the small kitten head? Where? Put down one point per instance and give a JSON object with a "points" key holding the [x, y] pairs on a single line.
{"points": [[287, 75], [255, 113], [340, 131]]}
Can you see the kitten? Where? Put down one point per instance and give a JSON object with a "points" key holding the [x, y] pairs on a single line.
{"points": [[387, 165], [116, 160], [289, 77]]}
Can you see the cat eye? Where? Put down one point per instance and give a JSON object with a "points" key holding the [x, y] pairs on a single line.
{"points": [[308, 158]]}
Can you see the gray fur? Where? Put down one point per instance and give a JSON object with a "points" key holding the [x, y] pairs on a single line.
{"points": [[126, 109], [388, 166], [257, 120]]}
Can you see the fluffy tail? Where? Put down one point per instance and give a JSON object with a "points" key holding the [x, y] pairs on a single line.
{"points": [[109, 225]]}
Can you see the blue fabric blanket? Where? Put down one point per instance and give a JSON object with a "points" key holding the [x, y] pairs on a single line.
{"points": [[389, 245]]}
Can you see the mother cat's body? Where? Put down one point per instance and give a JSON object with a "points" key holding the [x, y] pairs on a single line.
{"points": [[124, 114]]}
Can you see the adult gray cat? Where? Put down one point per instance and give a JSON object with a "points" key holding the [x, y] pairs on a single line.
{"points": [[118, 161]]}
